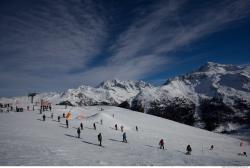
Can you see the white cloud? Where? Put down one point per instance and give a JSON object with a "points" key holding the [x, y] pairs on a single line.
{"points": [[169, 27], [51, 36]]}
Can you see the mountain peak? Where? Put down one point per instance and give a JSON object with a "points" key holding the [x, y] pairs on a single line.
{"points": [[212, 67], [211, 64], [123, 84], [218, 68]]}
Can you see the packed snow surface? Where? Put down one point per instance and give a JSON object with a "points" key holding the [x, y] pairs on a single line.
{"points": [[27, 140]]}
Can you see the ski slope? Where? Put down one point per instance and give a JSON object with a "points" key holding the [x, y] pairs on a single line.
{"points": [[27, 140]]}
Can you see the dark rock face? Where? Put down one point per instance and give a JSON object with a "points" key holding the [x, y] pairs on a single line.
{"points": [[137, 105], [178, 109], [68, 103], [242, 108], [125, 105], [214, 112]]}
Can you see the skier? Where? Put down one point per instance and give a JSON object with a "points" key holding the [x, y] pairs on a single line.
{"points": [[136, 128], [161, 143], [100, 138], [78, 132], [94, 126], [243, 153], [101, 121], [28, 108], [44, 117], [52, 116], [122, 128], [124, 136], [63, 115], [50, 108], [67, 123], [241, 144], [58, 118], [212, 147], [81, 125], [115, 126], [189, 150]]}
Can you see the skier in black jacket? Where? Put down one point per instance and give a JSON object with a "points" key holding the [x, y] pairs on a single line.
{"points": [[94, 126], [44, 117], [78, 132], [124, 137], [100, 138], [67, 123], [189, 150], [81, 125]]}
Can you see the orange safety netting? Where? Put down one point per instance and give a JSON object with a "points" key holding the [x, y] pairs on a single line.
{"points": [[69, 116]]}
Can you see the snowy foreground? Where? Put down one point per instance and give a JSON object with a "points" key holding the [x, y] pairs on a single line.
{"points": [[27, 140]]}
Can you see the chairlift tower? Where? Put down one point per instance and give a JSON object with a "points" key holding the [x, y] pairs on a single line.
{"points": [[32, 95]]}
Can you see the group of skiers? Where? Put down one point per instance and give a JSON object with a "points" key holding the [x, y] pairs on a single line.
{"points": [[99, 136], [79, 130], [122, 128], [188, 149], [124, 135], [33, 108], [45, 108]]}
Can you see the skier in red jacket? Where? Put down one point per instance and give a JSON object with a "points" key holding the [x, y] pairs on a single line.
{"points": [[161, 143]]}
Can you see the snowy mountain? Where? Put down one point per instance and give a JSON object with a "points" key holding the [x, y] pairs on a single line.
{"points": [[111, 92], [28, 140], [215, 97]]}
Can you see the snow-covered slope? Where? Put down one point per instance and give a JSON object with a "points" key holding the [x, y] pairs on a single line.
{"points": [[27, 140]]}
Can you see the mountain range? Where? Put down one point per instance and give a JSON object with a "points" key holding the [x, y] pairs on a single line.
{"points": [[214, 97]]}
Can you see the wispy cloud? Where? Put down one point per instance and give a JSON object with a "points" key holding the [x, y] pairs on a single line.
{"points": [[52, 37], [173, 25], [146, 46], [41, 42]]}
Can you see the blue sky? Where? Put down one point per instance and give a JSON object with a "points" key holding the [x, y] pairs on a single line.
{"points": [[52, 45]]}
